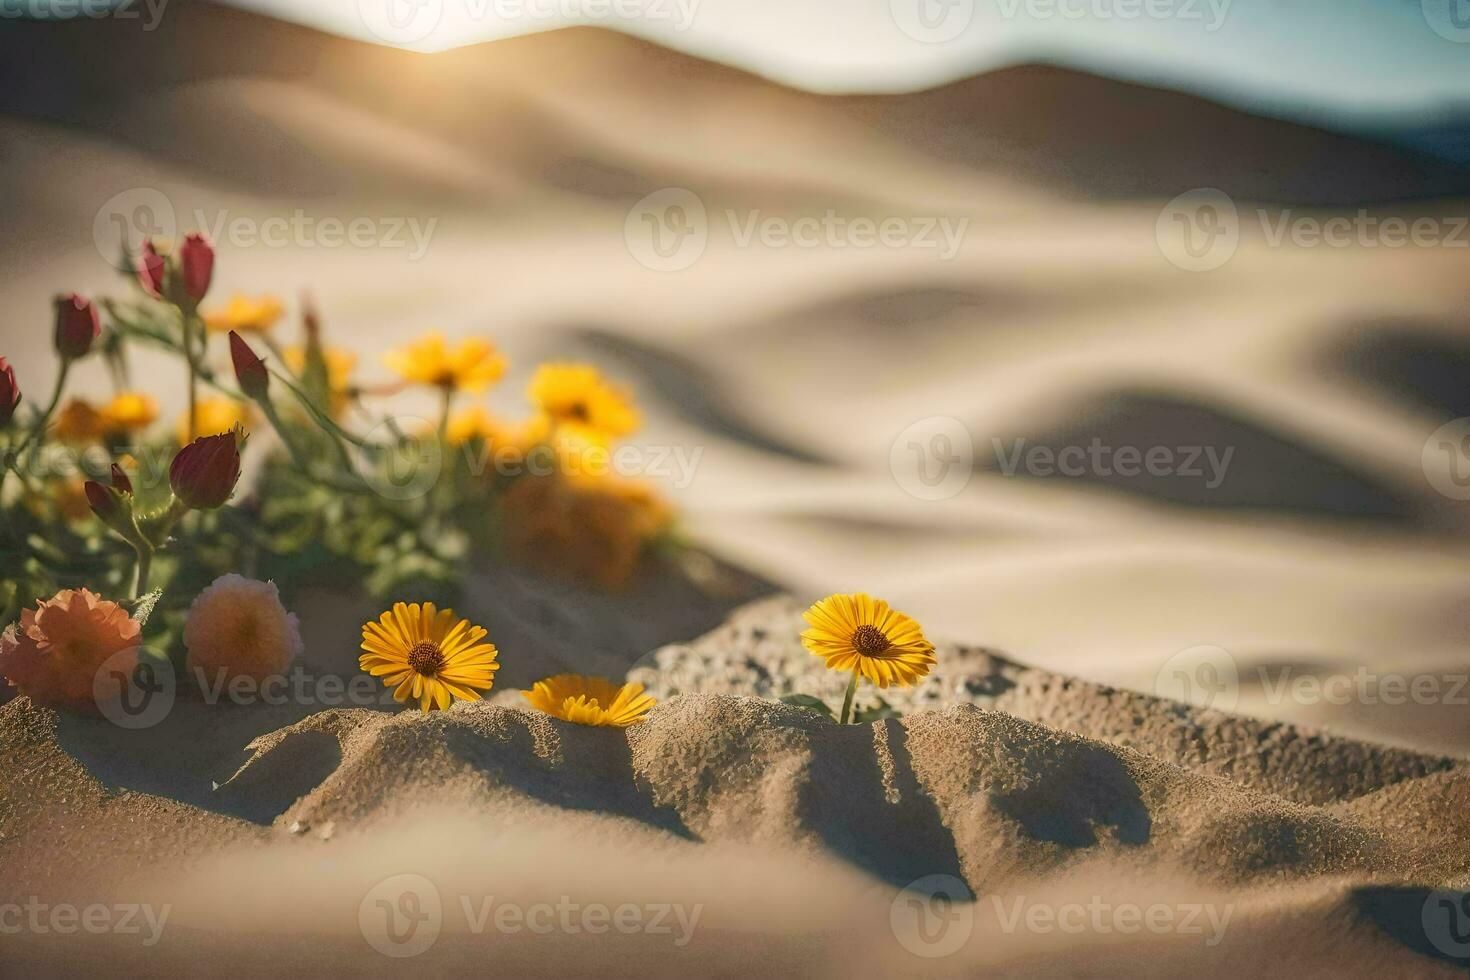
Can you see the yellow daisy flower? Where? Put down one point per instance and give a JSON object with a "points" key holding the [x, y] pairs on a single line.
{"points": [[863, 635], [473, 365], [129, 411], [213, 416], [590, 700], [578, 397], [79, 421], [429, 654], [244, 314]]}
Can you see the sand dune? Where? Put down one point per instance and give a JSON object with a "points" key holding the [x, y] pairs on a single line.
{"points": [[1050, 771], [1050, 789]]}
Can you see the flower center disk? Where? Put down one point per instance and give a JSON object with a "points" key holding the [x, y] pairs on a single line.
{"points": [[426, 658], [870, 641]]}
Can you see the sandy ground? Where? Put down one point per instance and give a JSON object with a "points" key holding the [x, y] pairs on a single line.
{"points": [[1327, 556]]}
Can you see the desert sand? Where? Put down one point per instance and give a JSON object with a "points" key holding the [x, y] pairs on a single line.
{"points": [[1039, 767]]}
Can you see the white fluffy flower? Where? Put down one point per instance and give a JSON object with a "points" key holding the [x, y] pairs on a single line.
{"points": [[239, 627]]}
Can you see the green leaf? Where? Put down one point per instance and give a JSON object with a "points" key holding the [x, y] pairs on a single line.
{"points": [[328, 424], [809, 703]]}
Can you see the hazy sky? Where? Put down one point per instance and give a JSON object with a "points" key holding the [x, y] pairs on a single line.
{"points": [[1297, 56]]}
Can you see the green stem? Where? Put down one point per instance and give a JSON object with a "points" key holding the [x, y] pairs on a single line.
{"points": [[188, 319], [448, 398], [143, 568], [45, 417], [847, 698]]}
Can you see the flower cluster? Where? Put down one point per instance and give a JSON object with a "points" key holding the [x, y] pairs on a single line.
{"points": [[102, 496], [434, 657]]}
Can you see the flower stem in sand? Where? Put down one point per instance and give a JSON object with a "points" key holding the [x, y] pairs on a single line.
{"points": [[847, 699]]}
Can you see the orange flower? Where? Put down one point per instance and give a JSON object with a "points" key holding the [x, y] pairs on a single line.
{"points": [[586, 529], [54, 654], [79, 421]]}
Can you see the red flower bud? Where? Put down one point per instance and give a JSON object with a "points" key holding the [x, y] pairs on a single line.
{"points": [[196, 257], [120, 481], [151, 269], [249, 369], [77, 326], [106, 502], [204, 473], [9, 392]]}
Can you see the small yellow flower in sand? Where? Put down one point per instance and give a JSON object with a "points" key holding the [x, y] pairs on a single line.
{"points": [[430, 654], [213, 416], [472, 365], [129, 411], [578, 397], [864, 635], [244, 314], [590, 700], [237, 627]]}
